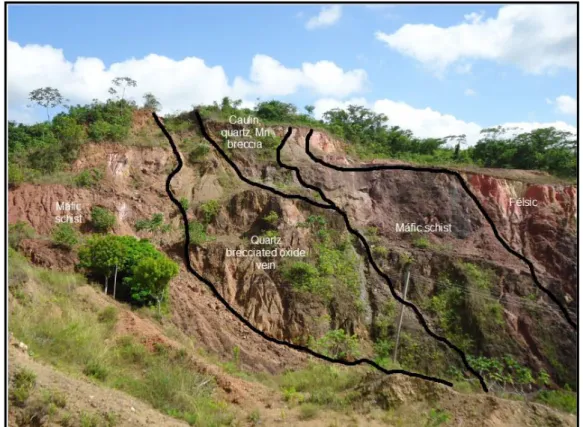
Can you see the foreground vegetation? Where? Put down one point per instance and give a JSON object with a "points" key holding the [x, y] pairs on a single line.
{"points": [[163, 377]]}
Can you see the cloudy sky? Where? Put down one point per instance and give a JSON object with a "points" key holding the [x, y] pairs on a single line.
{"points": [[435, 69]]}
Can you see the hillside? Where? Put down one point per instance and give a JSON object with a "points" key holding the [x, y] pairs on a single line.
{"points": [[467, 286]]}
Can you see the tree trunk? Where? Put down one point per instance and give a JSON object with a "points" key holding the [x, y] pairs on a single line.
{"points": [[159, 304], [105, 289], [114, 281]]}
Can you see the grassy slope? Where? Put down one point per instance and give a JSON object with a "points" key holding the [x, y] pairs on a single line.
{"points": [[71, 326]]}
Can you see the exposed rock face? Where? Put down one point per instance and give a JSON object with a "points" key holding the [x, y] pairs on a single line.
{"points": [[134, 188]]}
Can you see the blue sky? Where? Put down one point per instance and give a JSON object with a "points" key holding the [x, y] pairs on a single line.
{"points": [[454, 68]]}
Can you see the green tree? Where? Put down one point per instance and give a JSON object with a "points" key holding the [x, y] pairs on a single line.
{"points": [[276, 111], [65, 236], [121, 83], [102, 256], [151, 102], [47, 97], [101, 219], [150, 279], [70, 135], [310, 109]]}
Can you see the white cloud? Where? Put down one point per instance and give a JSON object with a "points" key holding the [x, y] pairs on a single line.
{"points": [[328, 16], [426, 122], [178, 84], [470, 92], [270, 78], [536, 38], [566, 105]]}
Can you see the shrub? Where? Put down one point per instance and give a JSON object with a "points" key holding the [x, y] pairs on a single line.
{"points": [[210, 210], [302, 276], [421, 242], [185, 203], [197, 233], [380, 251], [55, 398], [108, 315], [308, 411], [19, 231], [561, 399], [338, 344], [102, 220], [272, 218], [153, 224], [150, 278], [198, 153], [96, 369], [22, 384], [88, 178], [65, 236], [15, 175]]}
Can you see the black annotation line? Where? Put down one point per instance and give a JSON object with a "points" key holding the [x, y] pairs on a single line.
{"points": [[331, 206], [467, 189], [218, 295], [371, 260]]}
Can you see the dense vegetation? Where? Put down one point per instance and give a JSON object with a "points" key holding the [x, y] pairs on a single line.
{"points": [[136, 266], [46, 148], [369, 136]]}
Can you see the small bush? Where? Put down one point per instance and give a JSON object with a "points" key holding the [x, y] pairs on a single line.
{"points": [[65, 236], [302, 276], [15, 175], [272, 218], [22, 385], [308, 411], [88, 178], [96, 369], [210, 210], [108, 315], [153, 224], [198, 153], [380, 251], [89, 420], [254, 417], [55, 398], [338, 344], [129, 350], [102, 220], [197, 232], [291, 395], [421, 242], [185, 203], [19, 231], [437, 417]]}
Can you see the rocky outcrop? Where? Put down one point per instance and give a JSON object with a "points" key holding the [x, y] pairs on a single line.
{"points": [[134, 188]]}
